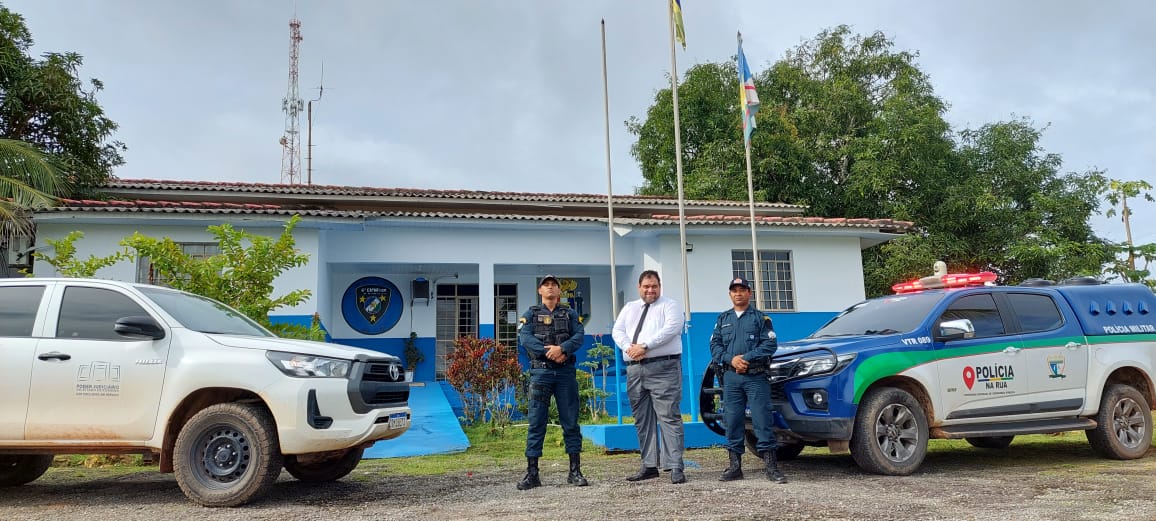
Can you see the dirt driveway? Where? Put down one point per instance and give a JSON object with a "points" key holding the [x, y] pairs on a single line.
{"points": [[1060, 479]]}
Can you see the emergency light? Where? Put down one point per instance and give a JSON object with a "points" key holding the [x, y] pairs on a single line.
{"points": [[951, 280]]}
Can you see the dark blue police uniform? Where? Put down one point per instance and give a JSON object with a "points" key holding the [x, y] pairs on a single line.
{"points": [[542, 327], [752, 337]]}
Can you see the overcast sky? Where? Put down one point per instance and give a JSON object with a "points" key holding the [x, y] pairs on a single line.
{"points": [[507, 94]]}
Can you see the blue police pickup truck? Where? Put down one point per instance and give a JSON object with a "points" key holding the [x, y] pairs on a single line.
{"points": [[953, 356]]}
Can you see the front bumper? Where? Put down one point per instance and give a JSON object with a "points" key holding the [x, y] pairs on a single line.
{"points": [[327, 414]]}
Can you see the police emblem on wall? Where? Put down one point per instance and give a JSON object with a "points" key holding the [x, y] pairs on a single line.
{"points": [[371, 305]]}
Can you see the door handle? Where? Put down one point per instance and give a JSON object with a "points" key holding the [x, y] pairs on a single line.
{"points": [[1072, 346], [1011, 350], [55, 355]]}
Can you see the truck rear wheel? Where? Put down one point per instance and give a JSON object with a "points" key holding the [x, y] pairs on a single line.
{"points": [[227, 455], [322, 470], [1124, 424], [23, 468], [890, 435], [991, 442], [784, 451]]}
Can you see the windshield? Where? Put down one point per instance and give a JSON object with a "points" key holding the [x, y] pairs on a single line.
{"points": [[881, 316], [203, 314]]}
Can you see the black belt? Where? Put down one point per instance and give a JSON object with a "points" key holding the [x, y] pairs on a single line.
{"points": [[655, 359], [750, 370], [543, 364]]}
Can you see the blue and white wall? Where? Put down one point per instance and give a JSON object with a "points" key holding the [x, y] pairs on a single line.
{"points": [[827, 268]]}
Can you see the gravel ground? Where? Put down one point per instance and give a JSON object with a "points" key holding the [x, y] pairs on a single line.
{"points": [[1039, 483]]}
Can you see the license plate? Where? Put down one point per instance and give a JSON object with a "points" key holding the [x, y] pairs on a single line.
{"points": [[397, 420]]}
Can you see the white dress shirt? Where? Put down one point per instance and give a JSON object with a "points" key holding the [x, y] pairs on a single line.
{"points": [[661, 330]]}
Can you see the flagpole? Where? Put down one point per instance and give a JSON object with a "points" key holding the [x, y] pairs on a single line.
{"points": [[751, 200], [610, 224], [681, 205]]}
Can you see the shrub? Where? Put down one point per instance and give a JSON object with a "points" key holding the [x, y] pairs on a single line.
{"points": [[486, 373]]}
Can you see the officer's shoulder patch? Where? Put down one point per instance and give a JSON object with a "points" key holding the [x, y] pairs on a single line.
{"points": [[766, 318], [521, 320]]}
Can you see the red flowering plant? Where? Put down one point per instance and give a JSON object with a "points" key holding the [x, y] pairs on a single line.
{"points": [[486, 373]]}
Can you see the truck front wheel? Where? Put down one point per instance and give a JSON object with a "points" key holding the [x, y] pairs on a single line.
{"points": [[1123, 425], [890, 435], [23, 468], [227, 455], [318, 470]]}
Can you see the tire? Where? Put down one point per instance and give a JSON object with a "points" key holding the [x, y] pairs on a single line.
{"points": [[784, 451], [991, 442], [320, 471], [890, 433], [1123, 425], [227, 455], [712, 378], [23, 468]]}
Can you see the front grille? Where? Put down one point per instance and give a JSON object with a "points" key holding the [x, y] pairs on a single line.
{"points": [[389, 397], [778, 392], [375, 386], [380, 372]]}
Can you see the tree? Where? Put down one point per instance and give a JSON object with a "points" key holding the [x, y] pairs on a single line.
{"points": [[851, 127], [241, 275], [63, 258], [1117, 194], [44, 103], [28, 180]]}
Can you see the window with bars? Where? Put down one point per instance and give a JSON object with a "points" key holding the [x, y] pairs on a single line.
{"points": [[145, 272], [777, 275], [458, 313], [457, 316], [506, 314]]}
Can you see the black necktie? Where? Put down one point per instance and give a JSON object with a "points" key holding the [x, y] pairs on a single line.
{"points": [[641, 319]]}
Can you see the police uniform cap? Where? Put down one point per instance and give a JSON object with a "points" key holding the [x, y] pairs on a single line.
{"points": [[549, 278], [739, 281]]}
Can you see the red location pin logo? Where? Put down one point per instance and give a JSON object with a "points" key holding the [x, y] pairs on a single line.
{"points": [[969, 376]]}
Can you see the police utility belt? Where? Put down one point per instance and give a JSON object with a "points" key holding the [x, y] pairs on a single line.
{"points": [[752, 368], [549, 364]]}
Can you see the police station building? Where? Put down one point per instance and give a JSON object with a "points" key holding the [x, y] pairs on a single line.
{"points": [[448, 263]]}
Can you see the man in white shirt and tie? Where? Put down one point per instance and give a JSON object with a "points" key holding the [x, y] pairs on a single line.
{"points": [[649, 333]]}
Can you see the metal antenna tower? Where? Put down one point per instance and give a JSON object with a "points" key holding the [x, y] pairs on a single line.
{"points": [[292, 105]]}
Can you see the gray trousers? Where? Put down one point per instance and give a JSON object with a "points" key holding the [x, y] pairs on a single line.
{"points": [[655, 392]]}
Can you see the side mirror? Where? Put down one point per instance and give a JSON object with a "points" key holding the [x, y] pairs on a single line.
{"points": [[140, 327], [955, 330]]}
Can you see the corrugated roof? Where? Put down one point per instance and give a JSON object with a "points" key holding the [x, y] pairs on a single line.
{"points": [[658, 219], [366, 191]]}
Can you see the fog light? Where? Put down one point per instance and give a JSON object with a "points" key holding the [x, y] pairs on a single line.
{"points": [[815, 398]]}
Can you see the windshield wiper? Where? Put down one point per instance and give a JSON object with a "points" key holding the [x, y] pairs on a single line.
{"points": [[887, 331]]}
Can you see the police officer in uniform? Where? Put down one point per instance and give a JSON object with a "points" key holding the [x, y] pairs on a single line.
{"points": [[742, 344], [551, 334]]}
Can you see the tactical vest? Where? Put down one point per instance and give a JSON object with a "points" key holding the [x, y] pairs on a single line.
{"points": [[552, 328]]}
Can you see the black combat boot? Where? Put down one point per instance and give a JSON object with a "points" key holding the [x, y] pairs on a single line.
{"points": [[576, 478], [735, 471], [531, 480], [773, 472]]}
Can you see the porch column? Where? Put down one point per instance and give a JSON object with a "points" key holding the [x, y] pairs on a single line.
{"points": [[486, 300]]}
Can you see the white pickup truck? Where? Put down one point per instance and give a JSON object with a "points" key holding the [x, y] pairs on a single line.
{"points": [[103, 367]]}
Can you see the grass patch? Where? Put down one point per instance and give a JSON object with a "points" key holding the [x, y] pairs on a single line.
{"points": [[491, 449]]}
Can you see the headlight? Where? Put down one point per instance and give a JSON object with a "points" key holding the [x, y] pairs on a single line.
{"points": [[307, 366], [815, 365]]}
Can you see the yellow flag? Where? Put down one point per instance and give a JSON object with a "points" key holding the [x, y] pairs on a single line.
{"points": [[679, 30]]}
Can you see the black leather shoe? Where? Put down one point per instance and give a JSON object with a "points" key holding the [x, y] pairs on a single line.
{"points": [[644, 473], [677, 477]]}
